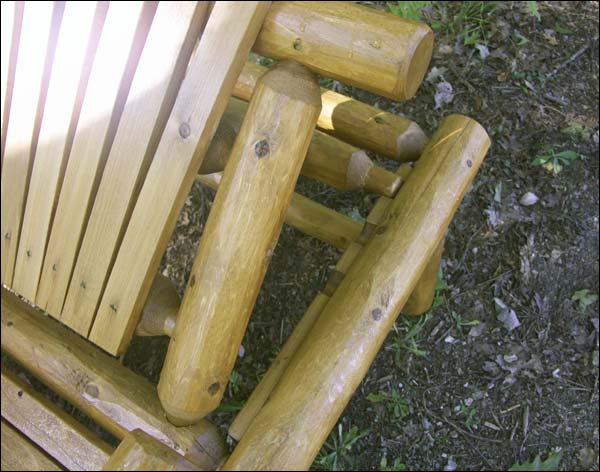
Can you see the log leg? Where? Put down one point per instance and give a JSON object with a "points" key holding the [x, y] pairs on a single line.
{"points": [[239, 239], [337, 352]]}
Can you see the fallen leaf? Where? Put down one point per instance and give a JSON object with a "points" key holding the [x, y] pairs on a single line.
{"points": [[506, 315]]}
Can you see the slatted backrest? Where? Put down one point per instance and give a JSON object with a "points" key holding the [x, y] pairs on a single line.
{"points": [[87, 213]]}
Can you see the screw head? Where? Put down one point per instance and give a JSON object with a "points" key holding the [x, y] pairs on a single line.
{"points": [[113, 307], [7, 236], [28, 252], [262, 148], [185, 130]]}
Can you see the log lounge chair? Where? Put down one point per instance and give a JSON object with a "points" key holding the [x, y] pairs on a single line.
{"points": [[111, 110]]}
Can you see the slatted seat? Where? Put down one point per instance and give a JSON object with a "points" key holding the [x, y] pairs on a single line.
{"points": [[111, 110]]}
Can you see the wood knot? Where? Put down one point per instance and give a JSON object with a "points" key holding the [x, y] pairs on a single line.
{"points": [[92, 390], [214, 389], [469, 163], [192, 280], [377, 314], [262, 148], [297, 44]]}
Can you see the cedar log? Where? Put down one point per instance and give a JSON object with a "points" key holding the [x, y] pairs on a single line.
{"points": [[238, 241], [354, 122], [337, 352], [328, 160], [372, 50], [97, 384]]}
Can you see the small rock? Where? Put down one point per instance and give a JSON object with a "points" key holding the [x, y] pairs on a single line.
{"points": [[242, 351], [446, 49], [483, 50], [468, 401], [451, 466], [477, 330], [444, 94], [511, 358], [450, 340], [529, 199], [506, 316], [491, 367]]}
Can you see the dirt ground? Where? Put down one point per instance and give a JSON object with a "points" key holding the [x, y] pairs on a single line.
{"points": [[505, 367]]}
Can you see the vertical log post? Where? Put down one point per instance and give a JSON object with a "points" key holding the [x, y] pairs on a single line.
{"points": [[337, 352], [239, 239]]}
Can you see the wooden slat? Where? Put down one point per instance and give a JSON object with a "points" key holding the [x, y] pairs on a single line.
{"points": [[18, 453], [140, 451], [10, 30], [60, 117], [104, 99], [34, 46], [97, 384], [225, 44], [52, 429], [175, 28]]}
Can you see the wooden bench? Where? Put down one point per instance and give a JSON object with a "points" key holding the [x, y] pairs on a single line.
{"points": [[110, 112]]}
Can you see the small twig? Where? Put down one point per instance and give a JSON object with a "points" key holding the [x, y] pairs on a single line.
{"points": [[572, 58], [458, 428]]}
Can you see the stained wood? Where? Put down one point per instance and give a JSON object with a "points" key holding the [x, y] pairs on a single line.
{"points": [[238, 241], [231, 29], [97, 384], [106, 92], [337, 352], [357, 45], [61, 111], [422, 296], [21, 135], [18, 453], [161, 68], [51, 428], [310, 217], [12, 18], [140, 451], [329, 160], [261, 393], [160, 311], [354, 122]]}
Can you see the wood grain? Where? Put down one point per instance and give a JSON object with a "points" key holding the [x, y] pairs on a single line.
{"points": [[140, 451], [168, 47], [238, 241], [51, 428], [337, 352], [112, 71], [357, 45], [61, 112], [231, 29], [354, 122], [35, 47], [97, 384], [19, 453]]}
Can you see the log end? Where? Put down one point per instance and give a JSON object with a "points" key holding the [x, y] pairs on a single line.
{"points": [[295, 81], [416, 64], [410, 143]]}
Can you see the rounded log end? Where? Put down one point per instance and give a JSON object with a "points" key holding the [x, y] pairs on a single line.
{"points": [[410, 144], [181, 412], [416, 64], [383, 182], [294, 80]]}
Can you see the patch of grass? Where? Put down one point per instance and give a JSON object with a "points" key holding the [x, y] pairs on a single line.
{"points": [[407, 337], [555, 161], [440, 286], [532, 8], [577, 130], [470, 414], [585, 298], [397, 465], [474, 21], [551, 463], [394, 402], [410, 10], [335, 451], [460, 322]]}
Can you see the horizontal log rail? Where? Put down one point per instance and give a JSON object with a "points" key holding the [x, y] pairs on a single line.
{"points": [[361, 125], [357, 45]]}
